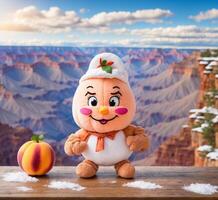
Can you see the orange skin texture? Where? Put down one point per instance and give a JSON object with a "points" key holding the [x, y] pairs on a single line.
{"points": [[103, 87], [36, 158]]}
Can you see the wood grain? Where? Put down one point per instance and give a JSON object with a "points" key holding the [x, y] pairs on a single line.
{"points": [[107, 186]]}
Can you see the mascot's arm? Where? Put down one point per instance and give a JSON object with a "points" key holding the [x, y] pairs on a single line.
{"points": [[136, 138], [74, 145]]}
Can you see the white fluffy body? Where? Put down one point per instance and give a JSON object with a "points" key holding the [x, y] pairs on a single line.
{"points": [[114, 150]]}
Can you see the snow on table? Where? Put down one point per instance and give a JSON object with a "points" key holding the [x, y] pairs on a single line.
{"points": [[24, 188], [200, 188], [142, 185], [18, 177], [149, 183], [65, 185]]}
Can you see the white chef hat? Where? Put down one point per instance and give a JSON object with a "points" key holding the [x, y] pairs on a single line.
{"points": [[106, 65]]}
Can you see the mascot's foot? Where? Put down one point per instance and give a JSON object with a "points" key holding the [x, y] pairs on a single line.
{"points": [[86, 169], [125, 169]]}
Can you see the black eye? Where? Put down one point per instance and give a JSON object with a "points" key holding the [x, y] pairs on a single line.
{"points": [[92, 101], [114, 101]]}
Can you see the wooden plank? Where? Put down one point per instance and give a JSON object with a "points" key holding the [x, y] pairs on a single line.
{"points": [[107, 186]]}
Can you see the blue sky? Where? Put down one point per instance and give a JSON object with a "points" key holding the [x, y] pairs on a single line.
{"points": [[138, 23]]}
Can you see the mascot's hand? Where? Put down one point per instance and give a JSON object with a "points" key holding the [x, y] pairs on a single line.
{"points": [[79, 147], [75, 148], [139, 141]]}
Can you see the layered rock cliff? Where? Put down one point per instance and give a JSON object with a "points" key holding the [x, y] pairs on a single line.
{"points": [[177, 149], [197, 141]]}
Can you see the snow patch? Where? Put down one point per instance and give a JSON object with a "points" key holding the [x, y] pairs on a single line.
{"points": [[200, 117], [208, 67], [204, 110], [18, 177], [200, 188], [65, 185], [194, 110], [142, 185], [203, 62], [204, 125], [205, 148], [193, 116], [209, 59], [213, 155], [24, 188], [209, 110], [113, 181], [213, 63], [215, 120], [207, 72], [198, 129]]}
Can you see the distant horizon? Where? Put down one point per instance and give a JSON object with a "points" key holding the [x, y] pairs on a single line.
{"points": [[125, 47]]}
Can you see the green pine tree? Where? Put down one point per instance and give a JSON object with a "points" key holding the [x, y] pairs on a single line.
{"points": [[209, 131]]}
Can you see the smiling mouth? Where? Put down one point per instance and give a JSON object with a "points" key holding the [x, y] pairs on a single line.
{"points": [[103, 121]]}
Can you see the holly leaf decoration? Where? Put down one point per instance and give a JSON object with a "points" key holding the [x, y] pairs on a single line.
{"points": [[107, 69], [106, 65]]}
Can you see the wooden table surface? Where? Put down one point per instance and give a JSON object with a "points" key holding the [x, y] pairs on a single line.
{"points": [[107, 186]]}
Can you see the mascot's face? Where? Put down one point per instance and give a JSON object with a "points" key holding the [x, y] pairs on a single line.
{"points": [[103, 105]]}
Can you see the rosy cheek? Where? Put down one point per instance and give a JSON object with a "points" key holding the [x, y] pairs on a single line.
{"points": [[85, 111], [121, 111]]}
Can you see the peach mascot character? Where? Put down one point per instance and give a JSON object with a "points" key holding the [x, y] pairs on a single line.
{"points": [[104, 106]]}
